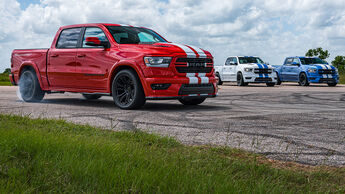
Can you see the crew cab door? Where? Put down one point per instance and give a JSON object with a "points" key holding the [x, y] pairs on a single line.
{"points": [[62, 59], [286, 69], [93, 62], [294, 69], [233, 68], [228, 70]]}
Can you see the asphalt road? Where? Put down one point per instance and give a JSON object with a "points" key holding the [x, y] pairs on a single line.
{"points": [[288, 122]]}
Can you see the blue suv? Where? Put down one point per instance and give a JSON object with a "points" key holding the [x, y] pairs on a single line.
{"points": [[306, 70]]}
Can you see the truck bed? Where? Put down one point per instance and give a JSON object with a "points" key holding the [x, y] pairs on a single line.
{"points": [[37, 57]]}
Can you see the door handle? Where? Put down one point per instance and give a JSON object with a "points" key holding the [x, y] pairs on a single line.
{"points": [[81, 55], [54, 55]]}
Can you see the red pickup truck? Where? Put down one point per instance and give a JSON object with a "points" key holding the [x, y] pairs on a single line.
{"points": [[132, 64]]}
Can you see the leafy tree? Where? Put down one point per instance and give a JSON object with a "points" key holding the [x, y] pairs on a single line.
{"points": [[318, 52], [7, 71], [339, 62]]}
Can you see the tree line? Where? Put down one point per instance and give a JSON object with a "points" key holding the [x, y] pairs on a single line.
{"points": [[338, 62]]}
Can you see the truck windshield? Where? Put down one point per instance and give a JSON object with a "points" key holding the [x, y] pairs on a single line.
{"points": [[250, 60], [307, 61], [134, 35]]}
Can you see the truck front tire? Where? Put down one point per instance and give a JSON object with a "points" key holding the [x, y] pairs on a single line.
{"points": [[240, 80], [220, 82], [332, 84], [192, 100], [29, 87], [270, 84], [127, 90], [278, 79], [303, 80]]}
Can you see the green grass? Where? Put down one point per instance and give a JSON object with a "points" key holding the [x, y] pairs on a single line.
{"points": [[39, 155], [4, 80]]}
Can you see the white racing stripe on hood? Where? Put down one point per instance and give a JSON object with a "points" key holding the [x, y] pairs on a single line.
{"points": [[324, 75], [189, 52], [200, 52]]}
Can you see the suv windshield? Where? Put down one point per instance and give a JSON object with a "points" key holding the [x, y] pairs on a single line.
{"points": [[307, 61], [134, 35], [250, 60]]}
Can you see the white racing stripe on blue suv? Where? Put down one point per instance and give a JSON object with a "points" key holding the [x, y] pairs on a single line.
{"points": [[324, 75]]}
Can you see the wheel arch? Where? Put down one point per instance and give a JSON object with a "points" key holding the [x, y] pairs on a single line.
{"points": [[28, 66], [121, 66]]}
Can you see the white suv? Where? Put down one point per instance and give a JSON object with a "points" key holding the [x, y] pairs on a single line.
{"points": [[244, 70]]}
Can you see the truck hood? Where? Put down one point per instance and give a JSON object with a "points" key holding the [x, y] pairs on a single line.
{"points": [[166, 49], [257, 65], [321, 66]]}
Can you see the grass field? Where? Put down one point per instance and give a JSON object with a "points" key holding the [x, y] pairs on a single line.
{"points": [[4, 80], [54, 156]]}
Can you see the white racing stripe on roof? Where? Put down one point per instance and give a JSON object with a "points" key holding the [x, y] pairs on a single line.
{"points": [[189, 52], [200, 52]]}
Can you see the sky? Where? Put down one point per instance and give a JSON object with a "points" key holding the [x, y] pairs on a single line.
{"points": [[271, 29]]}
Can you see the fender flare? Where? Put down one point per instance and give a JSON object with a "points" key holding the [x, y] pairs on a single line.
{"points": [[127, 63], [34, 66]]}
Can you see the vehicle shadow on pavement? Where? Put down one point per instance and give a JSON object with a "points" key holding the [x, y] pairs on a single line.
{"points": [[170, 105]]}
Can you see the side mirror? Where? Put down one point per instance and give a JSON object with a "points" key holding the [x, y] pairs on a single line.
{"points": [[94, 41], [267, 63], [295, 63]]}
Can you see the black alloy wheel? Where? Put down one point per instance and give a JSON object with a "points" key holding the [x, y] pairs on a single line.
{"points": [[303, 81], [127, 90]]}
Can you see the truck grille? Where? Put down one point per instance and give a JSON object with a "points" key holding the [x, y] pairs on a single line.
{"points": [[194, 65], [326, 71], [327, 80], [263, 79], [196, 89], [262, 71]]}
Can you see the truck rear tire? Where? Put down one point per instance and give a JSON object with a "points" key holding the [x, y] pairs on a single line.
{"points": [[127, 90], [303, 80], [240, 81], [332, 84], [91, 96], [192, 100], [29, 87], [220, 82]]}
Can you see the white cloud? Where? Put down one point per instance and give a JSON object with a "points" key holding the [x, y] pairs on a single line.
{"points": [[271, 29]]}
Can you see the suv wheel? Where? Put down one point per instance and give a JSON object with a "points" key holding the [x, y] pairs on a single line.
{"points": [[332, 84], [220, 82], [240, 81], [29, 87], [127, 90], [303, 80]]}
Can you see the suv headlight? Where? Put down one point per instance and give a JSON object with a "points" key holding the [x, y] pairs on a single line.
{"points": [[312, 70], [248, 69], [157, 61]]}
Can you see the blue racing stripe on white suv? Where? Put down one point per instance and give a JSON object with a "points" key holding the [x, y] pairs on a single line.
{"points": [[260, 67], [266, 67]]}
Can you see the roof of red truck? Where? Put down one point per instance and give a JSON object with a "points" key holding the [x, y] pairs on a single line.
{"points": [[93, 24]]}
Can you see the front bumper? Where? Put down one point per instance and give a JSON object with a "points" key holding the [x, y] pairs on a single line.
{"points": [[323, 78], [250, 77], [181, 87]]}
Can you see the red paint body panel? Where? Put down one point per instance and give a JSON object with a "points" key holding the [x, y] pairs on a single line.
{"points": [[91, 70]]}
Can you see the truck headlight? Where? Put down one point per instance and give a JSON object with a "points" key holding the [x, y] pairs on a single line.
{"points": [[312, 70], [157, 61], [248, 69]]}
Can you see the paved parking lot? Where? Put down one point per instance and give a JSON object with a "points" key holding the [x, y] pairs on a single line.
{"points": [[288, 122]]}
